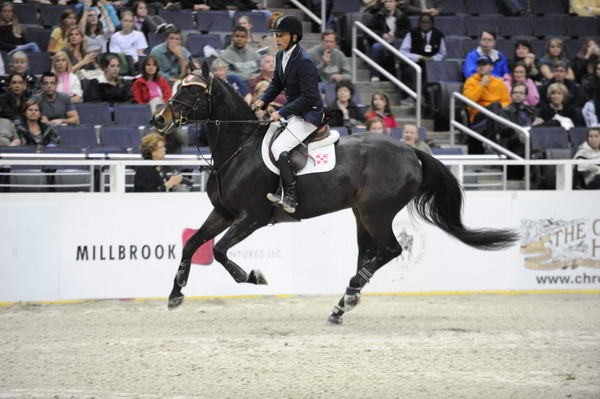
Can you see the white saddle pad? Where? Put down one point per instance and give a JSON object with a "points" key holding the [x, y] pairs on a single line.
{"points": [[322, 152]]}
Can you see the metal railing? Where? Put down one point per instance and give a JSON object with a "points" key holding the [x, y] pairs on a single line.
{"points": [[117, 168], [320, 21], [356, 52], [454, 124]]}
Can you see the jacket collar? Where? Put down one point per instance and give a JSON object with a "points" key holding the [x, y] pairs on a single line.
{"points": [[293, 57]]}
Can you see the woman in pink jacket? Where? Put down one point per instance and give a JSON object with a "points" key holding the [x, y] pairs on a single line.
{"points": [[519, 74]]}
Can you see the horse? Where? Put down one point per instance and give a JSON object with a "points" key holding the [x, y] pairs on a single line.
{"points": [[375, 175]]}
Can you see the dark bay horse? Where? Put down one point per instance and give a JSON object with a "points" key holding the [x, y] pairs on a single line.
{"points": [[375, 175]]}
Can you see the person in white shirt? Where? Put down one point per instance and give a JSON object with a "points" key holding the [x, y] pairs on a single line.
{"points": [[128, 41]]}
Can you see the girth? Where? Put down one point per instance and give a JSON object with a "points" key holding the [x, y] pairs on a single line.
{"points": [[299, 155]]}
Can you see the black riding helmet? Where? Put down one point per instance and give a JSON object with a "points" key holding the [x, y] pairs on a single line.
{"points": [[289, 24]]}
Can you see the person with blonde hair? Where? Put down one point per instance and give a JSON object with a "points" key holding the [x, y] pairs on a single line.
{"points": [[19, 63], [11, 33], [152, 178], [555, 52], [220, 69], [58, 37], [68, 82], [76, 50], [558, 109], [410, 135]]}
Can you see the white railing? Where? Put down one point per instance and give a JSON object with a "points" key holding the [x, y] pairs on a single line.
{"points": [[524, 133], [117, 168], [356, 52]]}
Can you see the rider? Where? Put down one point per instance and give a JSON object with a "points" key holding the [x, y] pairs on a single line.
{"points": [[296, 74]]}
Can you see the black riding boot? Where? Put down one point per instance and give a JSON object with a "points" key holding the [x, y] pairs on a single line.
{"points": [[286, 194]]}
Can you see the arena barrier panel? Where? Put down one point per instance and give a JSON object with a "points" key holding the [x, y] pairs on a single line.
{"points": [[107, 245]]}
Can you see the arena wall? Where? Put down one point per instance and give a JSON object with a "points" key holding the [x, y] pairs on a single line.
{"points": [[81, 246]]}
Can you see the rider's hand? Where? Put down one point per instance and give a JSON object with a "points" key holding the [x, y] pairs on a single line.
{"points": [[275, 117], [258, 104]]}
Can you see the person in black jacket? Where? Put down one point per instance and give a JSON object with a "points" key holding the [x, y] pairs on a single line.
{"points": [[32, 131], [152, 178], [109, 88], [343, 111], [392, 33], [11, 33], [11, 102]]}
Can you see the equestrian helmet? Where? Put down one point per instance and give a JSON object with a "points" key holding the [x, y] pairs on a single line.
{"points": [[289, 24]]}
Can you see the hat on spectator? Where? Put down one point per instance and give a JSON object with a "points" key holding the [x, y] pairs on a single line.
{"points": [[485, 60]]}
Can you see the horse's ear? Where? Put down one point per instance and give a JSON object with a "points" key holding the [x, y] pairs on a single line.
{"points": [[205, 70], [191, 64]]}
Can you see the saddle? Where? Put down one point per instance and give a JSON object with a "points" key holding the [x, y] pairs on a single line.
{"points": [[299, 155]]}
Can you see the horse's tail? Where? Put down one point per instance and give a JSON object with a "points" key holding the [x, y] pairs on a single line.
{"points": [[439, 201]]}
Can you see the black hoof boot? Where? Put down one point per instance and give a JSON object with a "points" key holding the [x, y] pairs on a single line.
{"points": [[351, 298], [257, 277], [175, 301], [183, 273], [335, 318]]}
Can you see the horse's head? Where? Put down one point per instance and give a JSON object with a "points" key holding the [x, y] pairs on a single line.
{"points": [[190, 102]]}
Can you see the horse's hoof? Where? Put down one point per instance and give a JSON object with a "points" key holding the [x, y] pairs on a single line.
{"points": [[257, 277], [350, 301], [334, 319], [175, 302]]}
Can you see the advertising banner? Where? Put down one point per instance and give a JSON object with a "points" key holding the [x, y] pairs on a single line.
{"points": [[81, 246]]}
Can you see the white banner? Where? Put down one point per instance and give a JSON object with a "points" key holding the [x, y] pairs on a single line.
{"points": [[79, 246]]}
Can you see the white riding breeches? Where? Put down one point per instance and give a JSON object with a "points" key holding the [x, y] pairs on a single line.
{"points": [[296, 131]]}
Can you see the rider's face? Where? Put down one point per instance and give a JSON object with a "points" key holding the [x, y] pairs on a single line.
{"points": [[282, 39]]}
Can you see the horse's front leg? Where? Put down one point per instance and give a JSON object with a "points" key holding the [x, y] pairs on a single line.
{"points": [[216, 222], [241, 228]]}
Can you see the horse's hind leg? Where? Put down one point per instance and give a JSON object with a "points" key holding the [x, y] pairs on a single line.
{"points": [[377, 245], [239, 230], [212, 226]]}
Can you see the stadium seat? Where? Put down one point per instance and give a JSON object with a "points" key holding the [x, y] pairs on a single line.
{"points": [[27, 175], [39, 63], [577, 136], [506, 47], [259, 20], [451, 25], [452, 7], [154, 39], [543, 138], [50, 14], [454, 47], [447, 151], [547, 26], [196, 135], [40, 36], [214, 21], [183, 19], [77, 136], [539, 47], [94, 113], [70, 178], [581, 26], [121, 136], [196, 43], [343, 131], [346, 6], [26, 13], [573, 46], [480, 7], [475, 25], [514, 27], [133, 114], [545, 7], [443, 71]]}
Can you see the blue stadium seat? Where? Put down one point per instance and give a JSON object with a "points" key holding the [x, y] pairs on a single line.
{"points": [[77, 136], [545, 7], [94, 113], [514, 26], [343, 131], [39, 63], [26, 13], [443, 71], [183, 19], [506, 47], [259, 20], [475, 25], [154, 39], [214, 21], [547, 26], [577, 136], [50, 14], [481, 7], [196, 43], [454, 47], [121, 136], [133, 114], [543, 138], [40, 36], [581, 26], [346, 6], [451, 25], [447, 151], [539, 47], [573, 46], [452, 7], [196, 135]]}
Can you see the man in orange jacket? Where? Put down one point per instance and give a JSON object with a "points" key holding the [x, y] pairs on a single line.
{"points": [[487, 91]]}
